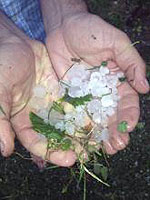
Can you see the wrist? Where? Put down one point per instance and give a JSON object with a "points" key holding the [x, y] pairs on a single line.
{"points": [[56, 11], [72, 7], [10, 33]]}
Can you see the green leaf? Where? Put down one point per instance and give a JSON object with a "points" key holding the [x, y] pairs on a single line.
{"points": [[101, 169], [104, 172], [122, 79], [122, 126], [40, 126], [56, 136], [66, 144], [58, 107], [104, 63], [94, 176], [77, 101], [97, 168]]}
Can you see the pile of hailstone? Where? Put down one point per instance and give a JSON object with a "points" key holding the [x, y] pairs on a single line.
{"points": [[88, 97], [102, 86]]}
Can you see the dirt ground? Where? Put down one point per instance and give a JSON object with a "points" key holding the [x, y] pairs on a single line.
{"points": [[129, 171]]}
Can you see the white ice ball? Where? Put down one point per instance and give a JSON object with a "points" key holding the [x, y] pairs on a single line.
{"points": [[75, 92], [70, 128], [104, 135], [104, 71], [97, 118], [96, 75], [107, 101], [94, 106], [76, 81], [60, 125], [78, 70]]}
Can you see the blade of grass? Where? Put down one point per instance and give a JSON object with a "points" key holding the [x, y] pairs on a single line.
{"points": [[95, 177], [1, 109], [84, 194], [81, 174], [105, 156], [52, 167], [21, 156]]}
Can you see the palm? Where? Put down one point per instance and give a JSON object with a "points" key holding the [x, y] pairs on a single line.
{"points": [[20, 117], [27, 63], [92, 40], [16, 77]]}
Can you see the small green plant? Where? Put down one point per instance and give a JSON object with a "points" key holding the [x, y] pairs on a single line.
{"points": [[93, 168], [140, 125], [103, 64], [123, 127], [58, 139], [122, 79], [75, 101]]}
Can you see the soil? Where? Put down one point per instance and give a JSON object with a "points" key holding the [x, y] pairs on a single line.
{"points": [[129, 171]]}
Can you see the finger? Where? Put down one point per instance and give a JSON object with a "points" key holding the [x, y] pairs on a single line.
{"points": [[60, 158], [129, 60], [128, 106], [109, 148], [6, 137], [37, 143], [118, 140], [6, 132], [127, 110], [63, 158]]}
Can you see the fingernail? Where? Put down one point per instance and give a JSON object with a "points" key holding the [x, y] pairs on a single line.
{"points": [[129, 128], [120, 144], [145, 83], [2, 147]]}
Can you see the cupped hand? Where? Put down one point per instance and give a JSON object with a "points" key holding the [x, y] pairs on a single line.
{"points": [[22, 63], [89, 38], [17, 74], [127, 111]]}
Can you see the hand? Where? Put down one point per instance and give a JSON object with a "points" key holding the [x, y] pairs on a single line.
{"points": [[22, 62], [89, 38]]}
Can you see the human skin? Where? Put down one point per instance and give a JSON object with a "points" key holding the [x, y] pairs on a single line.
{"points": [[68, 31], [21, 62], [72, 32]]}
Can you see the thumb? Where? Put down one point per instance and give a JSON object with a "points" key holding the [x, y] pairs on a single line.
{"points": [[6, 132], [129, 60]]}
